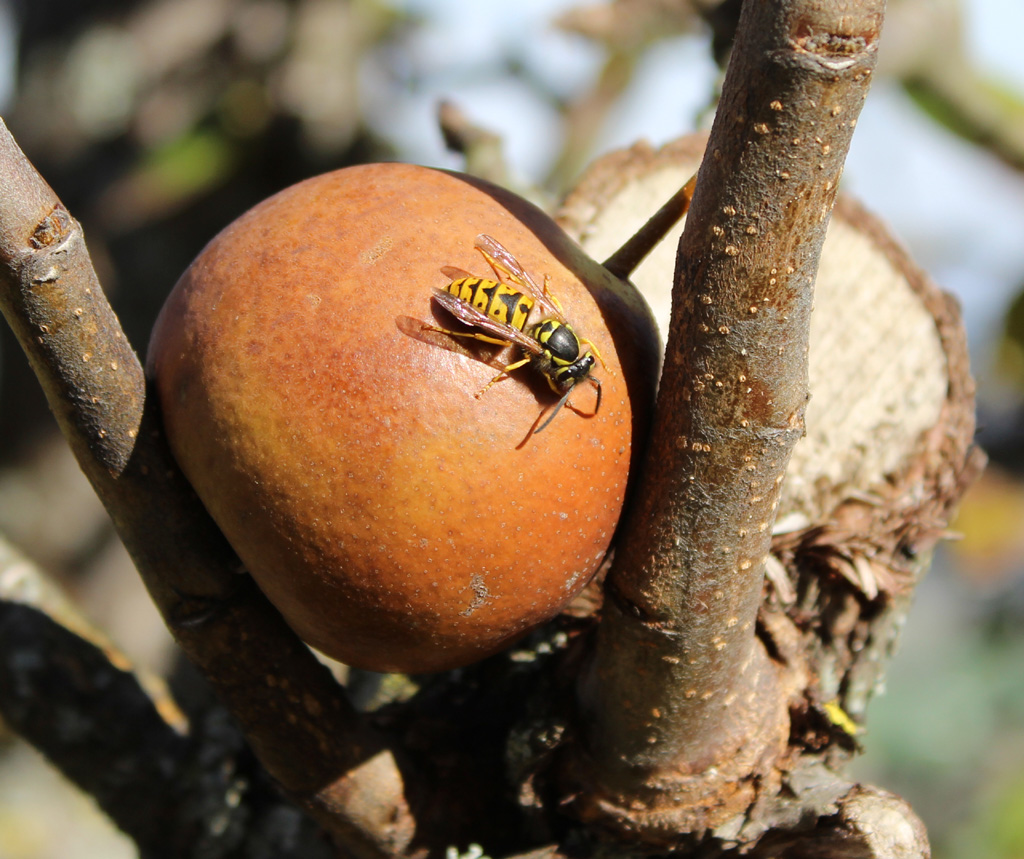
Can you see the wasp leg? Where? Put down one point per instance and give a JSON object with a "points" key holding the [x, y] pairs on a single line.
{"points": [[471, 334], [552, 298], [593, 349], [474, 335], [515, 365]]}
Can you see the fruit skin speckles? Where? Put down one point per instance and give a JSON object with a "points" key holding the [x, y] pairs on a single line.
{"points": [[372, 496]]}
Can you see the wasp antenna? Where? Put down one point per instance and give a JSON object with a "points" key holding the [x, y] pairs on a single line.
{"points": [[554, 412], [597, 384]]}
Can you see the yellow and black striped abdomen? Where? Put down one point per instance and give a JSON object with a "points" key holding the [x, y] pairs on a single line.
{"points": [[494, 299]]}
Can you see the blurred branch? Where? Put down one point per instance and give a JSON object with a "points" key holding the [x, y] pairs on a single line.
{"points": [[56, 672], [625, 28], [296, 717], [688, 712], [482, 149], [972, 106], [24, 584], [584, 117], [128, 747], [927, 52], [632, 25]]}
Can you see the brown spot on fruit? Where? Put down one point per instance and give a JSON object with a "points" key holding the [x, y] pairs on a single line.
{"points": [[397, 521]]}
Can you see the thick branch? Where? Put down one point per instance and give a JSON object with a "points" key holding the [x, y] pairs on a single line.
{"points": [[687, 710], [296, 717]]}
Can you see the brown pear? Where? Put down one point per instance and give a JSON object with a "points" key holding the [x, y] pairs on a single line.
{"points": [[400, 519]]}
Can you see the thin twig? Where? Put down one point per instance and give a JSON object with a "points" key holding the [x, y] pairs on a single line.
{"points": [[295, 716], [688, 714], [624, 261]]}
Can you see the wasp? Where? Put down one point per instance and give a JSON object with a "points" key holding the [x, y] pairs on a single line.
{"points": [[514, 311]]}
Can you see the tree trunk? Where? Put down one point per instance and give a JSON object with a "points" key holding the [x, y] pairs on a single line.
{"points": [[868, 490]]}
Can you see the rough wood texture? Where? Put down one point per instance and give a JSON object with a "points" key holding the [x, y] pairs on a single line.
{"points": [[686, 708], [868, 491], [876, 365], [298, 719]]}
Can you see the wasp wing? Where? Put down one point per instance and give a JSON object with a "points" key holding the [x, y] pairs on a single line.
{"points": [[499, 257], [465, 312], [420, 330], [501, 260], [427, 333], [453, 273]]}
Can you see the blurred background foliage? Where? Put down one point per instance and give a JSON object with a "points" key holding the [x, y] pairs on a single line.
{"points": [[159, 121]]}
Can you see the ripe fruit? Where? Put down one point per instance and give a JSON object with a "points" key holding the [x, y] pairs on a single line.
{"points": [[398, 522]]}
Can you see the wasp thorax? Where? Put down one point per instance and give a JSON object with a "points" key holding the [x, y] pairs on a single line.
{"points": [[559, 339]]}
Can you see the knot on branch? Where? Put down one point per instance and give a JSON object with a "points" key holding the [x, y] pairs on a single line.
{"points": [[832, 44], [676, 808], [52, 230]]}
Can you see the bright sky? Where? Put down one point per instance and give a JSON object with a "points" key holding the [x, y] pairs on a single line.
{"points": [[6, 52], [960, 211]]}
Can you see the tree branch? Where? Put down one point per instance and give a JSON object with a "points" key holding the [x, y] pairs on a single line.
{"points": [[57, 673], [624, 261], [296, 717], [482, 149], [689, 714], [117, 734]]}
